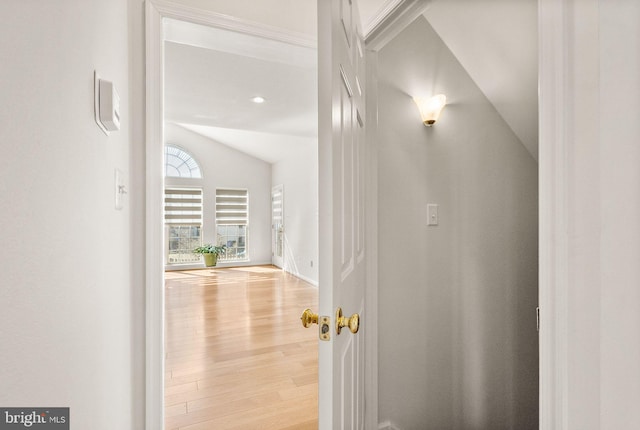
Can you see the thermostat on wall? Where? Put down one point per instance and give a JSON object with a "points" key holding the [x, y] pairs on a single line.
{"points": [[107, 105]]}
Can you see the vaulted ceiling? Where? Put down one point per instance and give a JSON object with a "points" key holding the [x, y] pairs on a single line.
{"points": [[211, 75]]}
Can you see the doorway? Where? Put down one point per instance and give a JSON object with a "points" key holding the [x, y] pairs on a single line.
{"points": [[296, 147], [469, 277], [228, 104]]}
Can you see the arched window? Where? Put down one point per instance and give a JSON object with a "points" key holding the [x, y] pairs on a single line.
{"points": [[179, 164]]}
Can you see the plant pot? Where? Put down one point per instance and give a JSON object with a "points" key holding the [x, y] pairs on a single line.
{"points": [[210, 260]]}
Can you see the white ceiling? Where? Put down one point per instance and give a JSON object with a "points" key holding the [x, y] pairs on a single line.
{"points": [[211, 74], [215, 88]]}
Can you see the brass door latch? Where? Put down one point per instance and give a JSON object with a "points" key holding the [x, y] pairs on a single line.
{"points": [[309, 318]]}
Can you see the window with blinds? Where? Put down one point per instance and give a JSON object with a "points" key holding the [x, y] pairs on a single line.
{"points": [[183, 224], [178, 163], [232, 223]]}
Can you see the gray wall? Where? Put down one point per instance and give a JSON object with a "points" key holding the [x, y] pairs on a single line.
{"points": [[458, 341]]}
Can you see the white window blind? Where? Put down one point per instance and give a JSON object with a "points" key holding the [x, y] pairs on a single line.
{"points": [[183, 206], [232, 221], [232, 207]]}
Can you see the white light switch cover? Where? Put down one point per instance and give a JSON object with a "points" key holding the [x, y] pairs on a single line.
{"points": [[432, 214], [120, 189]]}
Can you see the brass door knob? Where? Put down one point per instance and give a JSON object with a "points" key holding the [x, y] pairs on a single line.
{"points": [[353, 322], [308, 318]]}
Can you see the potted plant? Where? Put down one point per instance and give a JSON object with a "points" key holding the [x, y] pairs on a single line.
{"points": [[210, 253]]}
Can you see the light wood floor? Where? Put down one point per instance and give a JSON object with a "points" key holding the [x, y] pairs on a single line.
{"points": [[237, 356]]}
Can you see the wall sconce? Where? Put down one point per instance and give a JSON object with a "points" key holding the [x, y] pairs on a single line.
{"points": [[430, 108]]}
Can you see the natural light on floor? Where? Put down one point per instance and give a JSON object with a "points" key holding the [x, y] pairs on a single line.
{"points": [[237, 356]]}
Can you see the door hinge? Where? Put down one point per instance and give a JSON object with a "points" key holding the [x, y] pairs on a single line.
{"points": [[538, 318]]}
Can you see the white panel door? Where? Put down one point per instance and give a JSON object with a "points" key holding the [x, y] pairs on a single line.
{"points": [[342, 272], [277, 226]]}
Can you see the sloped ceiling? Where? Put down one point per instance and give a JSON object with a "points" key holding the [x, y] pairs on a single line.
{"points": [[496, 42]]}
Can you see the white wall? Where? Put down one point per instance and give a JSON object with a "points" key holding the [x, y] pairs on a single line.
{"points": [[298, 172], [619, 99], [603, 214], [458, 341], [224, 167], [71, 302]]}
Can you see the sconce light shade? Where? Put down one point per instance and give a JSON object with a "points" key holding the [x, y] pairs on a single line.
{"points": [[430, 108]]}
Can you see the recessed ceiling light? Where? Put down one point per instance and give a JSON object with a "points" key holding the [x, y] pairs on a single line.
{"points": [[257, 99]]}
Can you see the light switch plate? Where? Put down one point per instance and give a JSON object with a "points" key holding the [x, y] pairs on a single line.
{"points": [[432, 214], [120, 189]]}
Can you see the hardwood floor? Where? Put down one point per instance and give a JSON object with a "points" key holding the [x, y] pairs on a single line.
{"points": [[237, 356]]}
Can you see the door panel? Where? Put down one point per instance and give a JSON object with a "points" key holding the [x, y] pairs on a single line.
{"points": [[341, 192], [346, 19], [345, 187]]}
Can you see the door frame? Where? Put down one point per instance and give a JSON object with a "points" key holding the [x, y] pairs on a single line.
{"points": [[555, 110]]}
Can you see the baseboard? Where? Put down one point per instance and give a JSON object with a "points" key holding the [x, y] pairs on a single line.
{"points": [[223, 265], [304, 278], [220, 265], [387, 425], [174, 267]]}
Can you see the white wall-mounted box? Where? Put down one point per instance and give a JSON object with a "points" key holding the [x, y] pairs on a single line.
{"points": [[107, 105]]}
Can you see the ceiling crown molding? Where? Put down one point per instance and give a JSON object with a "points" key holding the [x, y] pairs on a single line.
{"points": [[382, 13], [205, 17], [394, 17]]}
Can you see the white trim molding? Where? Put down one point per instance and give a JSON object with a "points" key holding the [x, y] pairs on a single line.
{"points": [[182, 12], [387, 8], [154, 393], [397, 16], [371, 240], [555, 112]]}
